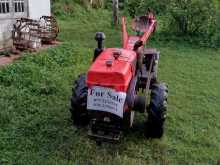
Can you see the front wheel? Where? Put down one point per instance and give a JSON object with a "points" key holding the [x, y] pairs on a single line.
{"points": [[78, 107], [157, 111]]}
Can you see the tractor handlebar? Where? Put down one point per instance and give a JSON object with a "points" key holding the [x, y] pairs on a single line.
{"points": [[146, 24]]}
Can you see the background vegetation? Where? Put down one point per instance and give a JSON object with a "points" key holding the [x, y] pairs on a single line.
{"points": [[194, 20], [35, 125], [197, 19]]}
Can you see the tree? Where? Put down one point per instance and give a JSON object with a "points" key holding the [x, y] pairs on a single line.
{"points": [[115, 12]]}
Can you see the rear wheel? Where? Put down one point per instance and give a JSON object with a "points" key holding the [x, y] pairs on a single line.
{"points": [[157, 111], [78, 107]]}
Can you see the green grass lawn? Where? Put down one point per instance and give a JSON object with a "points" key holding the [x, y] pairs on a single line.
{"points": [[35, 125]]}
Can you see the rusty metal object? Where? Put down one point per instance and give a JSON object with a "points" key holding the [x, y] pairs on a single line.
{"points": [[48, 29], [140, 24], [25, 34], [29, 34]]}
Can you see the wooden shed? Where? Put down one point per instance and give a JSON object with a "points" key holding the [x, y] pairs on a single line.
{"points": [[11, 10]]}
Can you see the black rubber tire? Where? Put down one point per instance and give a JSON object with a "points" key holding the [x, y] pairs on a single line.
{"points": [[157, 111], [78, 107]]}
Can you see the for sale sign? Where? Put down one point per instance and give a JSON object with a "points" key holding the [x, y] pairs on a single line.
{"points": [[106, 100]]}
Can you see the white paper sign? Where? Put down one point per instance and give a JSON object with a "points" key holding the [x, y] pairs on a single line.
{"points": [[106, 100]]}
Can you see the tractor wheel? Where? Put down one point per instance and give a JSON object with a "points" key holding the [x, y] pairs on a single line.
{"points": [[157, 111], [78, 108]]}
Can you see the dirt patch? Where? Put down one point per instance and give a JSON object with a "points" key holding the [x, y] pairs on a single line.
{"points": [[9, 59], [15, 55]]}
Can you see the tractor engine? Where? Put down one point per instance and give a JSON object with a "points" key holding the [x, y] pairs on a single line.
{"points": [[111, 82]]}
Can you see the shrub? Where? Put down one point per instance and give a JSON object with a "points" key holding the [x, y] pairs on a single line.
{"points": [[214, 30], [137, 7], [190, 16]]}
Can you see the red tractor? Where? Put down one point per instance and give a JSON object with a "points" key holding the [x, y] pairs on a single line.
{"points": [[107, 96]]}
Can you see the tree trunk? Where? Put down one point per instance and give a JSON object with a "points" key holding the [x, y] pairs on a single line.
{"points": [[115, 12]]}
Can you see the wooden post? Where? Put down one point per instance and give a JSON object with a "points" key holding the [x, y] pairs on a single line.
{"points": [[115, 12]]}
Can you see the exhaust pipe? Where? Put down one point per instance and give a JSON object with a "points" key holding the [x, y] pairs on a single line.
{"points": [[99, 37]]}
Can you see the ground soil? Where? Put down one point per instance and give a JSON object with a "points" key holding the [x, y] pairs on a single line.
{"points": [[15, 55]]}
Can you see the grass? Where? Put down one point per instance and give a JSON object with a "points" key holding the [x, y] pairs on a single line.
{"points": [[35, 125]]}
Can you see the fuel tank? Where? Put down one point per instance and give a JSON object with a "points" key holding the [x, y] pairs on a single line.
{"points": [[113, 68]]}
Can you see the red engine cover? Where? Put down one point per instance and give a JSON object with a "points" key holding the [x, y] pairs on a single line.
{"points": [[113, 68]]}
